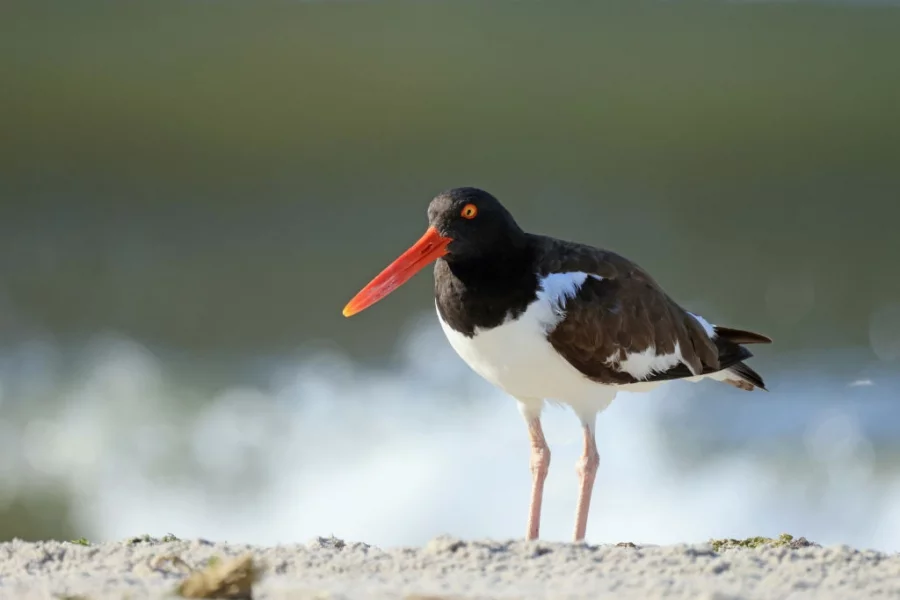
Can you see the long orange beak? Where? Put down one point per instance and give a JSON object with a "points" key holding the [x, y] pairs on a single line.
{"points": [[429, 248]]}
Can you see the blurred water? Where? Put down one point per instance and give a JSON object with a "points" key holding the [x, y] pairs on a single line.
{"points": [[324, 446]]}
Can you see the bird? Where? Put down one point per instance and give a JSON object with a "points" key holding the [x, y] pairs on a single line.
{"points": [[548, 320]]}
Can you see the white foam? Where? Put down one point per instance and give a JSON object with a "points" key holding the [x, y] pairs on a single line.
{"points": [[323, 446]]}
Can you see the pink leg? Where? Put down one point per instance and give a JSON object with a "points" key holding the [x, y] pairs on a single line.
{"points": [[587, 471], [540, 464]]}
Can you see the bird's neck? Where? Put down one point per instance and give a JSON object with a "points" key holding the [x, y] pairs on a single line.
{"points": [[482, 293]]}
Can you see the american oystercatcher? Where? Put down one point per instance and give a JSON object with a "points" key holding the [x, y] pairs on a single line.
{"points": [[546, 319]]}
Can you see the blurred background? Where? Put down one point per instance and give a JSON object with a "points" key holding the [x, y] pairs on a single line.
{"points": [[190, 192]]}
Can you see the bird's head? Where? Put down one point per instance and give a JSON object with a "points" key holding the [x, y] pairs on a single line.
{"points": [[464, 224]]}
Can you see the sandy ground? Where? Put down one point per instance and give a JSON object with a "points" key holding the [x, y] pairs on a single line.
{"points": [[451, 568]]}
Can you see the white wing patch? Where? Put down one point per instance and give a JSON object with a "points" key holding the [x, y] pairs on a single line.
{"points": [[642, 365], [555, 291], [707, 327]]}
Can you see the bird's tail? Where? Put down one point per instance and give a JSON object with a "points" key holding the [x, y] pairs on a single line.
{"points": [[739, 374]]}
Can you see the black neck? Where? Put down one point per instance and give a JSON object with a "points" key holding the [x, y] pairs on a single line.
{"points": [[482, 294]]}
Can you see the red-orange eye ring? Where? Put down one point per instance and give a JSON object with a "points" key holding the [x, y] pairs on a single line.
{"points": [[469, 211]]}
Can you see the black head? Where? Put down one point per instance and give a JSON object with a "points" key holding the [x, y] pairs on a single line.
{"points": [[478, 225], [467, 227]]}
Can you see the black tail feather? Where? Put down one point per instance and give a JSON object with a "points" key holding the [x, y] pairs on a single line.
{"points": [[739, 336], [730, 346], [749, 375]]}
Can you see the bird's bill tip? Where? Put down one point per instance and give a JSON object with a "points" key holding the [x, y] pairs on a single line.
{"points": [[429, 248]]}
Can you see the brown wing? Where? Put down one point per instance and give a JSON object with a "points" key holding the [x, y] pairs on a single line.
{"points": [[623, 311]]}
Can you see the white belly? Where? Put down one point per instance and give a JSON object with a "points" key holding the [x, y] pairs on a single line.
{"points": [[517, 358]]}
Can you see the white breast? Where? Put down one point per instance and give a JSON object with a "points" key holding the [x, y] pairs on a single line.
{"points": [[517, 357]]}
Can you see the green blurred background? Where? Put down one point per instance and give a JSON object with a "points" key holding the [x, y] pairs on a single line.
{"points": [[214, 180]]}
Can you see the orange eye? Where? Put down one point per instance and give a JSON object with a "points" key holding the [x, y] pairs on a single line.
{"points": [[469, 211]]}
